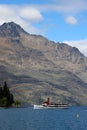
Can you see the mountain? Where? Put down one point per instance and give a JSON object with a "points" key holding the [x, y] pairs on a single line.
{"points": [[36, 68]]}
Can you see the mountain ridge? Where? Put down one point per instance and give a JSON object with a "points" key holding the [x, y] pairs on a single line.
{"points": [[36, 67]]}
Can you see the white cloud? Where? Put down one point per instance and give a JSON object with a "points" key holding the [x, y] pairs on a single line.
{"points": [[23, 15], [70, 6], [71, 20], [80, 44], [64, 6], [31, 14]]}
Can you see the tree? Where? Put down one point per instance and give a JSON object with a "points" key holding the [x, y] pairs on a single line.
{"points": [[6, 91], [9, 99], [1, 91], [3, 102], [17, 103]]}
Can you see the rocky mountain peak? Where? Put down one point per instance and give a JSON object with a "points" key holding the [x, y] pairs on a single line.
{"points": [[11, 29]]}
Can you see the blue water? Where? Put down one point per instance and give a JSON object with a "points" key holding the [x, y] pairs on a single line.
{"points": [[74, 118]]}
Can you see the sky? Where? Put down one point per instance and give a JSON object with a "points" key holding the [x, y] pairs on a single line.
{"points": [[57, 20]]}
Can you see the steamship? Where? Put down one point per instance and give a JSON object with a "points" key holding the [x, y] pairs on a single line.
{"points": [[47, 104]]}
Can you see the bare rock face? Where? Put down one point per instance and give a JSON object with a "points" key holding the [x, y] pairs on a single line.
{"points": [[11, 30], [36, 68]]}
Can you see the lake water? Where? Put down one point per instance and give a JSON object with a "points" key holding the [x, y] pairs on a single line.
{"points": [[74, 118]]}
